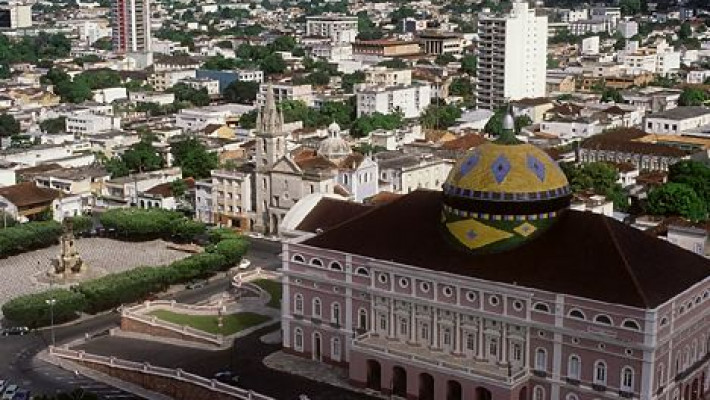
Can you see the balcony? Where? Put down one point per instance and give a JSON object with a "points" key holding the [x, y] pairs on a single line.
{"points": [[394, 349]]}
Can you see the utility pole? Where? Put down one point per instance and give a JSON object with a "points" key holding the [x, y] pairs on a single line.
{"points": [[51, 301]]}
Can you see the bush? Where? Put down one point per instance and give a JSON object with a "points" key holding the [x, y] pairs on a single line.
{"points": [[218, 234], [185, 230], [29, 236], [82, 224], [33, 311], [232, 249], [140, 224]]}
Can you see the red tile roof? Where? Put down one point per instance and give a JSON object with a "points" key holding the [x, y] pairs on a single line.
{"points": [[27, 194]]}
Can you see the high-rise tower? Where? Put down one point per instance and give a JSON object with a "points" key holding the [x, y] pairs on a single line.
{"points": [[131, 26], [512, 56]]}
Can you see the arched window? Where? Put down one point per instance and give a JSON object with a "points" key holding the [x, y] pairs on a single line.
{"points": [[316, 311], [577, 314], [631, 324], [362, 271], [493, 348], [335, 313], [542, 307], [541, 359], [539, 393], [627, 379], [574, 367], [603, 319], [600, 373], [362, 319], [298, 304], [317, 262], [335, 349], [298, 339], [336, 266]]}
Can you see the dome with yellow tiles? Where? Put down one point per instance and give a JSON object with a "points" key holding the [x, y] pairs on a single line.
{"points": [[502, 194]]}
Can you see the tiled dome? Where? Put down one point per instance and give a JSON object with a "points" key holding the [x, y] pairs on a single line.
{"points": [[501, 194]]}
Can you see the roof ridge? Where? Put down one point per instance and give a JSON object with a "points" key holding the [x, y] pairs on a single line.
{"points": [[627, 267]]}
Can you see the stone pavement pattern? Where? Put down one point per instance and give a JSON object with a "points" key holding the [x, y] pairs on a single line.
{"points": [[109, 255]]}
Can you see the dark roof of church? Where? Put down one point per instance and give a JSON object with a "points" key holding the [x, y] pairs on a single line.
{"points": [[330, 212], [582, 254]]}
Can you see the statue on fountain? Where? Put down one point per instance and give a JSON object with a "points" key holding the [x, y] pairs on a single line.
{"points": [[68, 262]]}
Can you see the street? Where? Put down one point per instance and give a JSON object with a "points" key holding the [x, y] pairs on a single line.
{"points": [[17, 353]]}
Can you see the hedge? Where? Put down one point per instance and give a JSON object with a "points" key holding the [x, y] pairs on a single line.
{"points": [[29, 236], [139, 223], [33, 311], [82, 224], [134, 285]]}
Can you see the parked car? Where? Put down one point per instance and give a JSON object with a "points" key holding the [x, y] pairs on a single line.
{"points": [[22, 395], [10, 392], [196, 284], [244, 264], [227, 377], [16, 331]]}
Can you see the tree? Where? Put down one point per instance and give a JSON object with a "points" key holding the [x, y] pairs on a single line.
{"points": [[600, 178], [630, 7], [685, 31], [692, 97], [54, 125], [366, 28], [469, 64], [198, 97], [552, 62], [440, 117], [273, 64], [677, 199], [444, 59], [461, 87], [693, 174], [349, 81], [248, 120], [142, 157], [284, 43], [368, 123], [341, 112], [611, 95], [194, 159], [9, 126], [396, 63], [243, 92]]}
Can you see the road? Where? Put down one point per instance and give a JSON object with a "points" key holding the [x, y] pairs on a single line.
{"points": [[17, 353]]}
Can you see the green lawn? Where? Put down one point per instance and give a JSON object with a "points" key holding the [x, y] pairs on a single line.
{"points": [[233, 323], [273, 288]]}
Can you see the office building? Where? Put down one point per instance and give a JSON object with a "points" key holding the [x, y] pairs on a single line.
{"points": [[131, 26]]}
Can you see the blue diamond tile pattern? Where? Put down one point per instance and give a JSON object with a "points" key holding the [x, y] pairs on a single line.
{"points": [[470, 163], [471, 234], [537, 167], [500, 168]]}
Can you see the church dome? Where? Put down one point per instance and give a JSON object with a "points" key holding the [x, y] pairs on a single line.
{"points": [[334, 147], [502, 194]]}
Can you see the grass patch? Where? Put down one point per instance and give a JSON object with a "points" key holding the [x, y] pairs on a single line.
{"points": [[233, 323], [274, 289]]}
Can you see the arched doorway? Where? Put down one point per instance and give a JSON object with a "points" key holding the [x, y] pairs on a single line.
{"points": [[274, 224], [373, 375], [483, 394], [523, 395], [454, 391], [426, 387], [695, 390], [399, 382], [317, 347], [686, 392]]}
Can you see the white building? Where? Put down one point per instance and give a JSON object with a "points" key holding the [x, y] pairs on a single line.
{"points": [[677, 120], [250, 75], [339, 28], [164, 80], [211, 85], [131, 26], [16, 15], [574, 15], [285, 92], [661, 60], [698, 77], [383, 76], [628, 29], [410, 100], [196, 119], [86, 123], [167, 47], [405, 173], [590, 45], [583, 27], [162, 98], [109, 95], [512, 56]]}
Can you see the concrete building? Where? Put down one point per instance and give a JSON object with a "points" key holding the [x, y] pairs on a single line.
{"points": [[125, 191], [698, 77], [286, 92], [528, 320], [383, 76], [512, 56], [165, 79], [15, 15], [677, 121], [162, 98], [87, 123], [410, 100], [339, 28], [131, 26], [210, 85], [590, 45], [434, 42], [378, 49], [628, 29], [404, 173], [196, 119], [225, 78]]}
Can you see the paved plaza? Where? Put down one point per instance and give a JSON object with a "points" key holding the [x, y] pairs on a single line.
{"points": [[107, 255]]}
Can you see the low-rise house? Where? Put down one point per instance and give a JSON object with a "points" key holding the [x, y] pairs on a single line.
{"points": [[27, 202], [403, 173], [124, 191], [677, 121], [162, 196]]}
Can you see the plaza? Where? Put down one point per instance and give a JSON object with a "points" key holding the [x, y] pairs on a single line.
{"points": [[19, 272]]}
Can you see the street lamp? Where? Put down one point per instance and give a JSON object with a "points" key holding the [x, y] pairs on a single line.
{"points": [[51, 303]]}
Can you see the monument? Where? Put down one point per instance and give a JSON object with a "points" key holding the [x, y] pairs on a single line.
{"points": [[68, 263]]}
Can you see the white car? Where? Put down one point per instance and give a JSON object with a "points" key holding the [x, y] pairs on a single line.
{"points": [[9, 393], [244, 264]]}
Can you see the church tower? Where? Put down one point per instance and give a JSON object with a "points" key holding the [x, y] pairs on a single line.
{"points": [[270, 147]]}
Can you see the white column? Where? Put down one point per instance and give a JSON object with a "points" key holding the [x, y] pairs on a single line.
{"points": [[435, 329], [504, 344], [481, 341], [457, 334], [393, 321], [348, 304], [412, 324]]}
